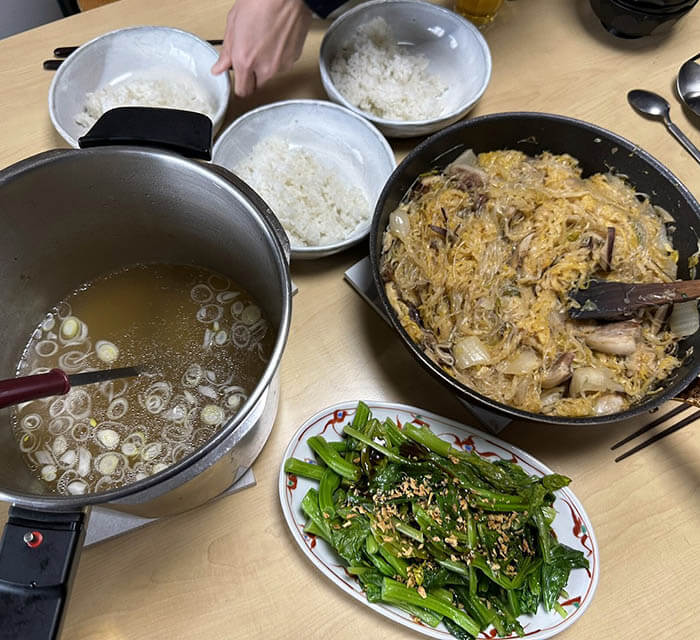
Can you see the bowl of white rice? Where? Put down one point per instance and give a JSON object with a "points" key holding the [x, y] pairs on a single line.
{"points": [[137, 66], [411, 67], [318, 166]]}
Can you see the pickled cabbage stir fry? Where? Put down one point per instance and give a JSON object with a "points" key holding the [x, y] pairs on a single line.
{"points": [[442, 533], [478, 261]]}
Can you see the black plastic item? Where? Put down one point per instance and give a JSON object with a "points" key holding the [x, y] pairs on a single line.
{"points": [[635, 20], [37, 564], [660, 6], [597, 150], [69, 7], [185, 132]]}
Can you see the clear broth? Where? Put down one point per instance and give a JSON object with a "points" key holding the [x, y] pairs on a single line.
{"points": [[203, 342]]}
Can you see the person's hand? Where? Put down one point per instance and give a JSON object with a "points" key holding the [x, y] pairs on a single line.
{"points": [[262, 37]]}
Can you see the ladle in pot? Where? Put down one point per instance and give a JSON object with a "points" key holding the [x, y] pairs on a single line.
{"points": [[55, 383]]}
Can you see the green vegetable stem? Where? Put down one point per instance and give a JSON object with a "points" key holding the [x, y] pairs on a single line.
{"points": [[443, 534]]}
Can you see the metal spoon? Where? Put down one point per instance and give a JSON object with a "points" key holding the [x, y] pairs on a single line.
{"points": [[688, 83], [654, 105]]}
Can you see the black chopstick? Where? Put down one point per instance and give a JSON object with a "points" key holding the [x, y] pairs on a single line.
{"points": [[52, 65], [64, 52], [662, 434], [651, 425]]}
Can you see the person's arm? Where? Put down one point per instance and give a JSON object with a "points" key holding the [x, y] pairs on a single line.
{"points": [[266, 36]]}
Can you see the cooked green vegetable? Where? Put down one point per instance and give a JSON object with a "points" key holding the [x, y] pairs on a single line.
{"points": [[437, 531]]}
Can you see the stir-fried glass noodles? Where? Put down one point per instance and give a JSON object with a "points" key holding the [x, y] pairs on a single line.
{"points": [[478, 262], [203, 343]]}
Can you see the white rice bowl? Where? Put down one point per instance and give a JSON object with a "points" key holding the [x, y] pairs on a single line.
{"points": [[389, 81], [149, 64], [434, 49], [318, 166]]}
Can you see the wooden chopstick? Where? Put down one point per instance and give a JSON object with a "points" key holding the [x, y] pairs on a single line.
{"points": [[662, 434]]}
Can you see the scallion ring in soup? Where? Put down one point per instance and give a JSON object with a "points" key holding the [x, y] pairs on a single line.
{"points": [[204, 344]]}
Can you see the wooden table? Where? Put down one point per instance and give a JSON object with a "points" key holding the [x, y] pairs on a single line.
{"points": [[231, 569]]}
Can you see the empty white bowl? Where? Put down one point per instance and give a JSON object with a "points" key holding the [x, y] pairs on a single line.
{"points": [[334, 136], [456, 51], [162, 52]]}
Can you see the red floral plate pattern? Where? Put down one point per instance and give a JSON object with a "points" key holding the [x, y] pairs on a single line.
{"points": [[572, 525]]}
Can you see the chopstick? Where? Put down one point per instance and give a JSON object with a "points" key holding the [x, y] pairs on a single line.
{"points": [[658, 436], [662, 434], [62, 53], [666, 416]]}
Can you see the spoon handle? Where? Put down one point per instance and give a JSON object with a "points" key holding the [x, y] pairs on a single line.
{"points": [[683, 139]]}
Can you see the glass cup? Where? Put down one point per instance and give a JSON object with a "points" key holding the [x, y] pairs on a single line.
{"points": [[479, 12]]}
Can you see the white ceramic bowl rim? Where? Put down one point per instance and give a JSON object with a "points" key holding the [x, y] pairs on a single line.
{"points": [[218, 116], [359, 232], [438, 9]]}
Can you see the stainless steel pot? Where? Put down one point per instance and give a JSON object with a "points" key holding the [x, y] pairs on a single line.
{"points": [[69, 216]]}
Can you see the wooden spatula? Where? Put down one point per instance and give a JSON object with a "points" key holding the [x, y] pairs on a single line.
{"points": [[604, 299]]}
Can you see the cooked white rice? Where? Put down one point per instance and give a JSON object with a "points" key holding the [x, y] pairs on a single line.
{"points": [[315, 205], [177, 92], [376, 75]]}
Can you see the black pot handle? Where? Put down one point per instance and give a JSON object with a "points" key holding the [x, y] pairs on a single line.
{"points": [[38, 557], [185, 132]]}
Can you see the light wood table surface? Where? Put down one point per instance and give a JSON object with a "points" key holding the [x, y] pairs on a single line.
{"points": [[231, 569]]}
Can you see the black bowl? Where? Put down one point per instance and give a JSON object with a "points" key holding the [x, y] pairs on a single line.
{"points": [[627, 19], [597, 150]]}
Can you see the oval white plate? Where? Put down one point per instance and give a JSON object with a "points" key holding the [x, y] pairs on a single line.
{"points": [[571, 525]]}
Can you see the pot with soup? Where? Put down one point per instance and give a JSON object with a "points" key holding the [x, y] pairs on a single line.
{"points": [[121, 256]]}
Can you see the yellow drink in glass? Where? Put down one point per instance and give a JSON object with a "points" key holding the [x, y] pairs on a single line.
{"points": [[480, 12]]}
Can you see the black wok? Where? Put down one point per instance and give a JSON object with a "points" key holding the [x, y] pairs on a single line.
{"points": [[597, 150]]}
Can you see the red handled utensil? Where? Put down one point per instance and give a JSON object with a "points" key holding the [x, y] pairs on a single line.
{"points": [[55, 383]]}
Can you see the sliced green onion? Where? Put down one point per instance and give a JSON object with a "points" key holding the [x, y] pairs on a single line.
{"points": [[212, 415], [109, 438], [48, 472], [151, 451], [77, 487], [70, 327], [107, 463], [106, 351]]}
